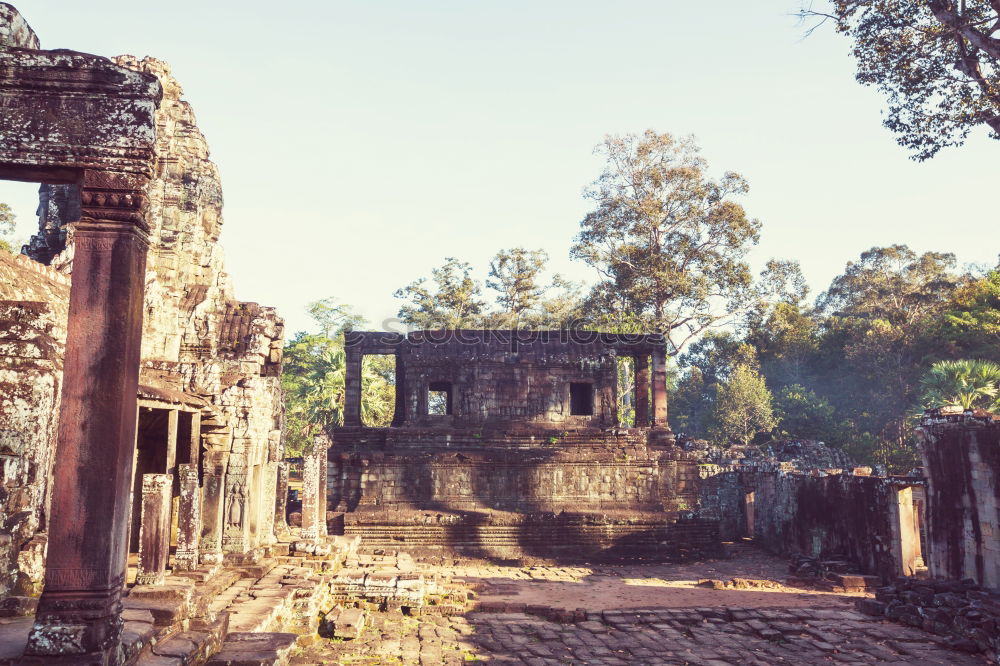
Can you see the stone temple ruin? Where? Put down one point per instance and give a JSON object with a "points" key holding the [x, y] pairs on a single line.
{"points": [[144, 516], [522, 455]]}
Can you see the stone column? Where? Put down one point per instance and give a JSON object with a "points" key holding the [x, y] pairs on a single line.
{"points": [[79, 613], [399, 415], [281, 499], [195, 442], [909, 538], [322, 451], [310, 495], [173, 416], [352, 387], [154, 528], [212, 504], [659, 388], [188, 519], [269, 486], [641, 391]]}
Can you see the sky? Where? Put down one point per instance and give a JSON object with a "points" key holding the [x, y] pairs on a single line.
{"points": [[361, 143]]}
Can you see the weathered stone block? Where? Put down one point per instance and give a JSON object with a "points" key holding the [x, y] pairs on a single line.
{"points": [[154, 530]]}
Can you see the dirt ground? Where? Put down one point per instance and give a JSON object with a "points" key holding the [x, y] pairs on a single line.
{"points": [[607, 587]]}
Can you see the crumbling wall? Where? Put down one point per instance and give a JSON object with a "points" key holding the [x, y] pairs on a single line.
{"points": [[867, 520], [961, 454], [197, 338]]}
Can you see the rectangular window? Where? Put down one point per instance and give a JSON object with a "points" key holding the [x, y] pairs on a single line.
{"points": [[581, 399], [439, 398]]}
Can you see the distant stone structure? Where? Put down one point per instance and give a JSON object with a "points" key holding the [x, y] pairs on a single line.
{"points": [[508, 444]]}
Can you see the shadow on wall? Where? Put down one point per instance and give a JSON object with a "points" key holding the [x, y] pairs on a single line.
{"points": [[502, 505], [872, 521]]}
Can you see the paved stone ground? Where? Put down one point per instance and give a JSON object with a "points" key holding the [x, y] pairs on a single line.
{"points": [[707, 637], [636, 615]]}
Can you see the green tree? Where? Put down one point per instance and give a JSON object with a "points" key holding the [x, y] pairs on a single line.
{"points": [[562, 306], [454, 302], [743, 407], [313, 375], [787, 342], [334, 318], [937, 62], [971, 322], [802, 414], [893, 283], [879, 333], [691, 404], [669, 241], [6, 227], [717, 354], [965, 383], [515, 276]]}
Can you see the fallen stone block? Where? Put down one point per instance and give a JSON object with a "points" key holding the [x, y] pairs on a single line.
{"points": [[871, 607], [349, 624], [18, 606]]}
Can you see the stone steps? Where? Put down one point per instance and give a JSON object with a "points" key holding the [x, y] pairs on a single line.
{"points": [[646, 541], [254, 649]]}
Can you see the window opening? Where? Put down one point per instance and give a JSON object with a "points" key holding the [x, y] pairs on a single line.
{"points": [[439, 399], [581, 399]]}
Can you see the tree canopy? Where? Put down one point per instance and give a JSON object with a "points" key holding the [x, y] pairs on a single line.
{"points": [[852, 369], [525, 297], [312, 380], [936, 61], [454, 301], [970, 384], [668, 241]]}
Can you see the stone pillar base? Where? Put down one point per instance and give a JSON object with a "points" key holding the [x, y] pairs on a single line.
{"points": [[76, 630], [186, 561], [211, 558]]}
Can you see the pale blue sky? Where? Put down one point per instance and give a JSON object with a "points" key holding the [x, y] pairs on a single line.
{"points": [[362, 142]]}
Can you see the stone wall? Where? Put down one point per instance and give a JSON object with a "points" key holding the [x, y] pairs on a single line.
{"points": [[33, 308], [535, 388], [867, 520], [574, 494], [559, 476], [525, 455], [961, 453]]}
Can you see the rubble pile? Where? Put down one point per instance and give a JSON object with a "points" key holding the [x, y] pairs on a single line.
{"points": [[967, 614]]}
